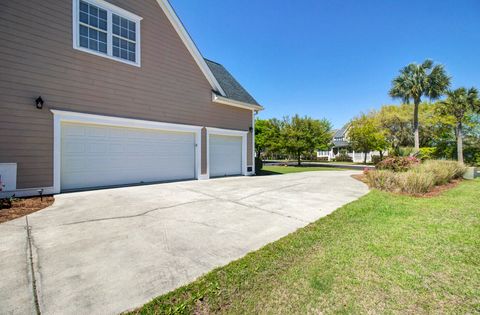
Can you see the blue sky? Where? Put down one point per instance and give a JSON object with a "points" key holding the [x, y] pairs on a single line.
{"points": [[328, 58]]}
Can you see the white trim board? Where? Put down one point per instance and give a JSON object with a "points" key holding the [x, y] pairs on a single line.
{"points": [[192, 48], [64, 116], [227, 132], [226, 101]]}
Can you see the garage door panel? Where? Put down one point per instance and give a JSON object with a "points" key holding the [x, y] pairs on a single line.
{"points": [[225, 154], [94, 156]]}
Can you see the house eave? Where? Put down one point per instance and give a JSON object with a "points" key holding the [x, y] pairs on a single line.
{"points": [[227, 101]]}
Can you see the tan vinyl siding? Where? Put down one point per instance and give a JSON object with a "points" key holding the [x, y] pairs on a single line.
{"points": [[37, 58]]}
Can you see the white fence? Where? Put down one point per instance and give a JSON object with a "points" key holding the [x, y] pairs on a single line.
{"points": [[357, 157]]}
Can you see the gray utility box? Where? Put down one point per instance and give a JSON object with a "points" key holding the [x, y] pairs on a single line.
{"points": [[470, 173]]}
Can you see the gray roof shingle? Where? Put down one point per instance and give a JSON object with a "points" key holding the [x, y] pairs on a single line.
{"points": [[230, 86]]}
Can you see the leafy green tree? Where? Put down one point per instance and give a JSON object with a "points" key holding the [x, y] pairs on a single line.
{"points": [[460, 103], [396, 122], [366, 135], [267, 135], [416, 81], [304, 135]]}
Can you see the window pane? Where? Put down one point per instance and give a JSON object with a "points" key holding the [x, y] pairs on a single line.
{"points": [[102, 37], [83, 41], [123, 44], [84, 17], [131, 25], [116, 51], [83, 30], [124, 54], [116, 30], [93, 21], [93, 44], [131, 56], [103, 14], [102, 47], [93, 34], [131, 47], [93, 10], [124, 22], [124, 32], [102, 24], [116, 19], [116, 41], [131, 36], [83, 6]]}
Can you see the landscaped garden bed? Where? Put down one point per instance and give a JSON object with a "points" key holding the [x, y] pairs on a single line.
{"points": [[14, 208], [409, 175]]}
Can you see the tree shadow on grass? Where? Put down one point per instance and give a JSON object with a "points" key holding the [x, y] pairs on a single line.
{"points": [[267, 173]]}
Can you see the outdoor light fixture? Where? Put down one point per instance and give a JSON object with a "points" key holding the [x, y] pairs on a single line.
{"points": [[39, 102], [250, 129]]}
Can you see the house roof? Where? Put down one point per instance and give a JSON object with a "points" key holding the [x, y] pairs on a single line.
{"points": [[340, 133], [232, 88]]}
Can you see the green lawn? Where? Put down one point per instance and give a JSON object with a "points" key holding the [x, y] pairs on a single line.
{"points": [[276, 170], [381, 254]]}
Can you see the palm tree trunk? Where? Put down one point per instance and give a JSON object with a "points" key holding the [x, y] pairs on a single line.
{"points": [[416, 133], [365, 157], [460, 142], [299, 161]]}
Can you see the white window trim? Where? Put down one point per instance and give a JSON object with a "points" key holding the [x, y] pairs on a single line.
{"points": [[110, 8], [227, 132], [60, 117]]}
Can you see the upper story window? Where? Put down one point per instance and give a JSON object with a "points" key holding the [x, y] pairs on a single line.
{"points": [[103, 29]]}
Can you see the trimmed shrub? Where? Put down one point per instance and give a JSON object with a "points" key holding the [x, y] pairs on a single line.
{"points": [[398, 163], [258, 164]]}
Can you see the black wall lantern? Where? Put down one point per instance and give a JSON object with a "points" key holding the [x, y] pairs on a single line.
{"points": [[39, 102], [250, 129]]}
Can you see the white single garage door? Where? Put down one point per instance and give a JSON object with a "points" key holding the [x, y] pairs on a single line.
{"points": [[225, 154], [97, 156]]}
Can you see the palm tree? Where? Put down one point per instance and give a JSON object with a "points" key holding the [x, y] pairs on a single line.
{"points": [[416, 81], [459, 104]]}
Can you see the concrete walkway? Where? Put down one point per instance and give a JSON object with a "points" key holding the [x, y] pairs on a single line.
{"points": [[107, 251]]}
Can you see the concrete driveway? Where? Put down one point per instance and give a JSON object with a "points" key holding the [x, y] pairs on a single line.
{"points": [[107, 251]]}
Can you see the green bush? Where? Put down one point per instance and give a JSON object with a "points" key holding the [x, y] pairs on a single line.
{"points": [[419, 179], [258, 164], [427, 153]]}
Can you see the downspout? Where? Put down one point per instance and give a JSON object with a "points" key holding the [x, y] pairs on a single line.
{"points": [[253, 142]]}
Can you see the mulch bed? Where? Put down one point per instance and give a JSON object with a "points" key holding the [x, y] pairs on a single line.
{"points": [[436, 191], [24, 206]]}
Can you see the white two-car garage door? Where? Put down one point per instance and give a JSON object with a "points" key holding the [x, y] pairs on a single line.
{"points": [[97, 155], [225, 154]]}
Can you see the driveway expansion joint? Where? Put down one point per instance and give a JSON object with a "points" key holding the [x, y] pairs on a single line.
{"points": [[28, 228]]}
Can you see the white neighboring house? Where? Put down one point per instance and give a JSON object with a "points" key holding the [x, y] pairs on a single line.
{"points": [[341, 143]]}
